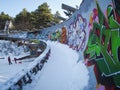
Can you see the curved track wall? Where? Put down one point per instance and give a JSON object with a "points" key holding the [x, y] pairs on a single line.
{"points": [[26, 75], [94, 30]]}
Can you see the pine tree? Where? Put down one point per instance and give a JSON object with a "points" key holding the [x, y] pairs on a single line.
{"points": [[23, 20], [43, 16]]}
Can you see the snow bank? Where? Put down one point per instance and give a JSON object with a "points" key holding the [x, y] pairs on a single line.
{"points": [[24, 75], [10, 48]]}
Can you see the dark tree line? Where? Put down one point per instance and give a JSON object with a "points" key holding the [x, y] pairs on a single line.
{"points": [[40, 18]]}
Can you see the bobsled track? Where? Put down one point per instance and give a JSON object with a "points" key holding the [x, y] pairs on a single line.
{"points": [[25, 75], [92, 30]]}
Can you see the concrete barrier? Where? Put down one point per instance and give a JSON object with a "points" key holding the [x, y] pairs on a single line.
{"points": [[25, 76]]}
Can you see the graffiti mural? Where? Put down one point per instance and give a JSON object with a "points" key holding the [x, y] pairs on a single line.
{"points": [[103, 48], [93, 18], [76, 33], [63, 37], [58, 35]]}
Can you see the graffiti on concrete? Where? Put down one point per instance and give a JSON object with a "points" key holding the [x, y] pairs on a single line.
{"points": [[58, 35], [103, 48], [76, 33], [63, 37], [93, 18]]}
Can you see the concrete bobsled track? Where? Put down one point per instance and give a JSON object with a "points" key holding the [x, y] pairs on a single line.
{"points": [[94, 30], [25, 76]]}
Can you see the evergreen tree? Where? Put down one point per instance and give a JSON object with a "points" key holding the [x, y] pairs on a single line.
{"points": [[43, 16], [40, 18], [23, 20]]}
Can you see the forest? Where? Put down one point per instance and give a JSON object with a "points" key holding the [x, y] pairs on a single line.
{"points": [[31, 21]]}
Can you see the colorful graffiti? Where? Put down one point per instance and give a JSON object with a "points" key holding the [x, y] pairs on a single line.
{"points": [[76, 33], [103, 48], [58, 35], [63, 38]]}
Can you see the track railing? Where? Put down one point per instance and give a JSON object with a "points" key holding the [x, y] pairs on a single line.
{"points": [[25, 75]]}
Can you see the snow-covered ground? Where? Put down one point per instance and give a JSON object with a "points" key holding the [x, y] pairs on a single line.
{"points": [[61, 72], [11, 49]]}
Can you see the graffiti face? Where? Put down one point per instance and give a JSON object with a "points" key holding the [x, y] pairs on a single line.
{"points": [[77, 33], [103, 48]]}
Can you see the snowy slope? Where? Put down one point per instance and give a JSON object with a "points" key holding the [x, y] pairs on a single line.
{"points": [[61, 72], [7, 71]]}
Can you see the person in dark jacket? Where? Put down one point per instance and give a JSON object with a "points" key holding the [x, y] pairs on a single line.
{"points": [[9, 60]]}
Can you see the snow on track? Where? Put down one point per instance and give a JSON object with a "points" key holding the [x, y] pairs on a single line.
{"points": [[61, 72]]}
